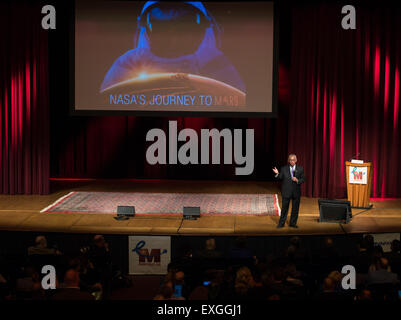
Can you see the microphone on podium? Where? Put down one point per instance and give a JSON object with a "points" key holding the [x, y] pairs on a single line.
{"points": [[353, 157]]}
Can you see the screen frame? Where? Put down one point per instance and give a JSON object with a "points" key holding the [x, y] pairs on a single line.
{"points": [[211, 114]]}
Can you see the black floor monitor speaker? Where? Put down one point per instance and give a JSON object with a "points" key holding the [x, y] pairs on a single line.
{"points": [[338, 211], [125, 212], [191, 213]]}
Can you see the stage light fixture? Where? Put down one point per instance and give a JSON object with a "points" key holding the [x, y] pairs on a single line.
{"points": [[337, 211], [125, 212]]}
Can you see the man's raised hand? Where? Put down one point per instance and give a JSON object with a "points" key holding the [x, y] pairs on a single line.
{"points": [[275, 170]]}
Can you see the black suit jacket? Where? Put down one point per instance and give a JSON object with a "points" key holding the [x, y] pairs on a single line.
{"points": [[291, 188]]}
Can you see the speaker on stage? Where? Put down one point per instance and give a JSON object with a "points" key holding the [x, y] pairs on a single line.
{"points": [[338, 211], [191, 213], [125, 212]]}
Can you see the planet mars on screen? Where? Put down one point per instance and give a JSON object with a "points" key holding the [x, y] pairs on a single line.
{"points": [[174, 89]]}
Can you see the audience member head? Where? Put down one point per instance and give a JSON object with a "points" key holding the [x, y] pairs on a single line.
{"points": [[210, 244], [99, 241], [166, 291], [365, 295], [395, 246], [85, 263], [336, 276], [169, 284], [172, 267], [71, 278], [328, 242], [75, 263], [290, 271], [199, 293], [170, 276], [267, 278], [383, 264], [41, 242], [295, 242], [328, 285], [179, 277], [368, 242], [243, 280]]}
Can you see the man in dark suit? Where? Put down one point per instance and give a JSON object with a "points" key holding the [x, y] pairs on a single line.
{"points": [[292, 177]]}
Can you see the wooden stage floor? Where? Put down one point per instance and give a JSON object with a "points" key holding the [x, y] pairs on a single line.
{"points": [[22, 212]]}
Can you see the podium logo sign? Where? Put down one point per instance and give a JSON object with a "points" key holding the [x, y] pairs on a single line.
{"points": [[149, 255], [358, 175]]}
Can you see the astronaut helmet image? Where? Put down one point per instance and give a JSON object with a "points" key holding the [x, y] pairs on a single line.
{"points": [[172, 29], [174, 41]]}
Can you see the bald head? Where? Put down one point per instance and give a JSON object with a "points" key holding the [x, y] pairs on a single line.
{"points": [[179, 276], [328, 284], [71, 278], [365, 295], [383, 263]]}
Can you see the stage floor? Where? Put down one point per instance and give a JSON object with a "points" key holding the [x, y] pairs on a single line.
{"points": [[22, 212]]}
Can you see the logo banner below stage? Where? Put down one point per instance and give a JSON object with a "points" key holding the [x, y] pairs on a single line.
{"points": [[148, 254]]}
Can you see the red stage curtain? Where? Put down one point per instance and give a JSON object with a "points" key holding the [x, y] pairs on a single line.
{"points": [[24, 112], [345, 90], [115, 147]]}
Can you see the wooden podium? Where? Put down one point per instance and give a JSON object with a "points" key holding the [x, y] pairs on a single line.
{"points": [[359, 186]]}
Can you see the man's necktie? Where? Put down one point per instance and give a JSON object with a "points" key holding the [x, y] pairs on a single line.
{"points": [[292, 172]]}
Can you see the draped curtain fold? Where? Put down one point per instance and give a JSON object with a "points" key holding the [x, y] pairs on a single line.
{"points": [[115, 147], [24, 112], [345, 87]]}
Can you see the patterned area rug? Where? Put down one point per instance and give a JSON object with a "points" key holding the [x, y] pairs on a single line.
{"points": [[168, 203]]}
